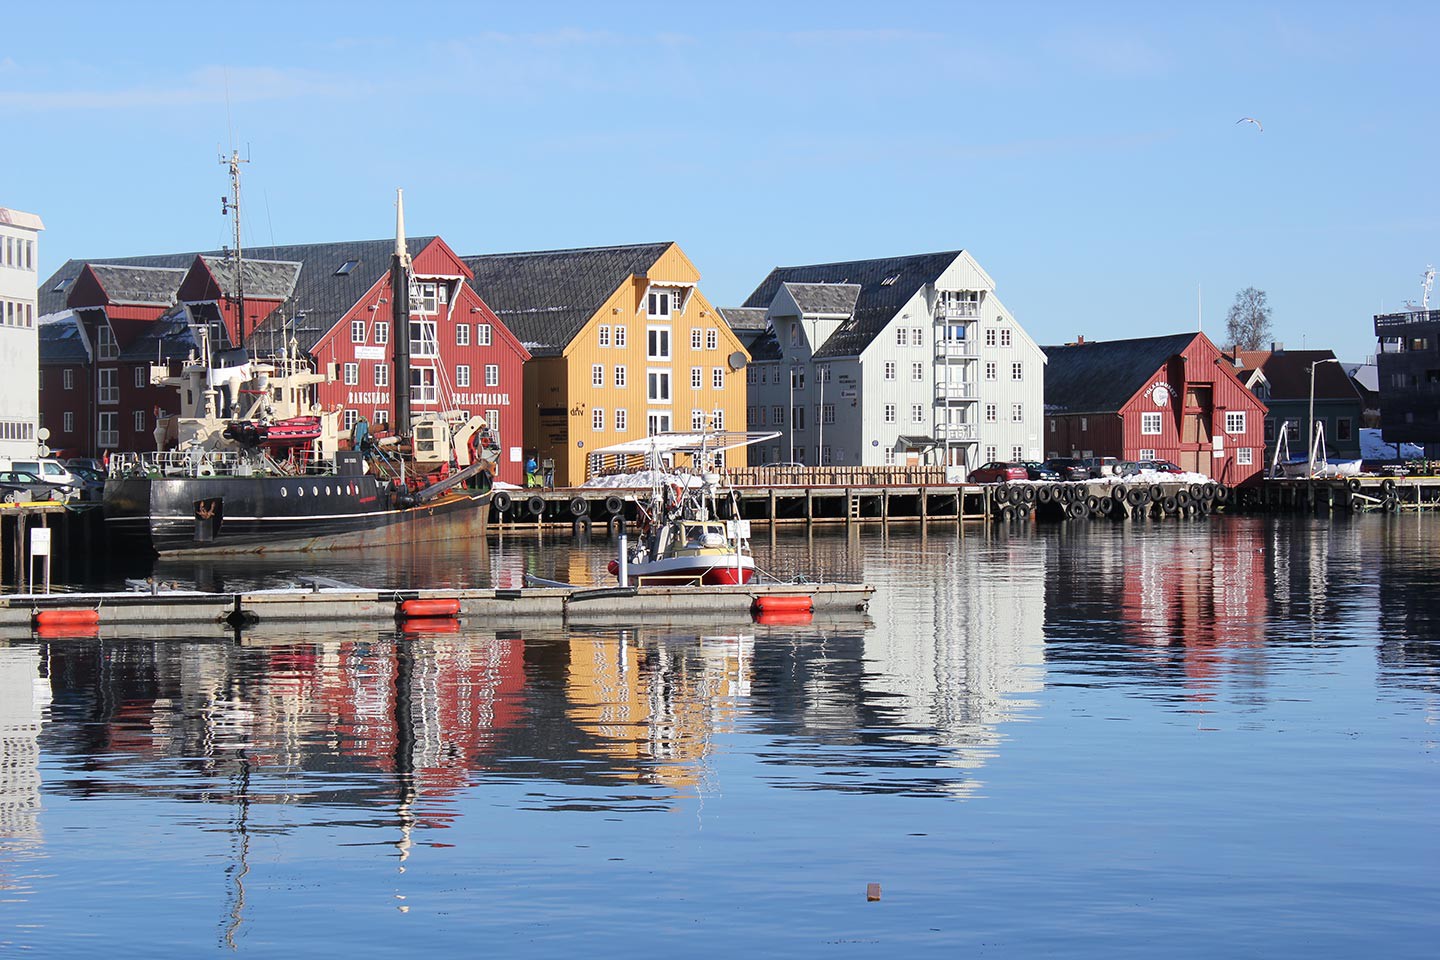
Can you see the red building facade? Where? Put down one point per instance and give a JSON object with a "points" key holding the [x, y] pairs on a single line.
{"points": [[1157, 398]]}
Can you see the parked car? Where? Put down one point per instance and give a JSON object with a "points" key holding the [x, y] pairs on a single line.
{"points": [[1069, 468], [47, 469], [999, 471], [92, 482], [1040, 471], [92, 463], [19, 486], [1109, 467], [1158, 466]]}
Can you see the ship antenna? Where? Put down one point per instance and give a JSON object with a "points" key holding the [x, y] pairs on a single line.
{"points": [[230, 206]]}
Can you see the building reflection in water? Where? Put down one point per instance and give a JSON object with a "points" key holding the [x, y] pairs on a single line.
{"points": [[24, 697]]}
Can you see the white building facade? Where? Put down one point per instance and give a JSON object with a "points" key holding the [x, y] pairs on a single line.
{"points": [[19, 342], [892, 362]]}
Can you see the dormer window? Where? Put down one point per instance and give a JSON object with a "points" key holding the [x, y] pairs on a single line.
{"points": [[659, 303], [429, 296]]}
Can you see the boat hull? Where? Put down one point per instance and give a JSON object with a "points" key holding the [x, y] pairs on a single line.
{"points": [[198, 516], [709, 570]]}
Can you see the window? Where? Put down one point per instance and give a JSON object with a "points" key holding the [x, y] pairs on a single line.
{"points": [[382, 331], [1242, 456], [1017, 371], [794, 334], [105, 346], [889, 456], [1005, 337], [917, 336], [917, 372], [657, 421], [351, 417], [990, 339], [658, 343], [381, 417], [1234, 421], [357, 331], [717, 419], [777, 416], [139, 421], [427, 297], [712, 339], [1146, 453], [107, 432], [382, 375], [797, 417], [1017, 452], [422, 339], [827, 414], [752, 375], [1343, 428], [108, 390], [603, 335], [597, 418], [597, 375], [889, 370], [620, 418], [902, 336], [462, 375], [1150, 425], [697, 419], [484, 334], [619, 336], [1084, 424], [620, 376], [140, 379], [492, 374], [352, 374], [422, 385], [917, 413], [889, 413], [658, 386], [697, 377], [69, 421], [717, 377], [822, 373], [1269, 429], [462, 334], [990, 369], [344, 271], [695, 338], [992, 414], [1017, 414], [67, 378], [797, 378], [658, 303], [990, 453]]}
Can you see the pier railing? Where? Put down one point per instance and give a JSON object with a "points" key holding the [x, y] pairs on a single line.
{"points": [[211, 463], [836, 476]]}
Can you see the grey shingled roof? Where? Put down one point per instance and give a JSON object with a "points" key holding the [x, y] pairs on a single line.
{"points": [[128, 283], [170, 337], [751, 326], [878, 302], [825, 299], [60, 340], [264, 279], [1100, 377], [546, 296], [318, 293]]}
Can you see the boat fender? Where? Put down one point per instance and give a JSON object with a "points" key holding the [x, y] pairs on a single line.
{"points": [[67, 618], [784, 603], [579, 506], [500, 500], [614, 504], [536, 505], [437, 607]]}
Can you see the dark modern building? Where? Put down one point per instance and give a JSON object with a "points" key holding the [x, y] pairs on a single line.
{"points": [[1408, 356]]}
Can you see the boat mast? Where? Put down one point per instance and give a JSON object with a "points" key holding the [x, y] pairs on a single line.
{"points": [[400, 314], [231, 206]]}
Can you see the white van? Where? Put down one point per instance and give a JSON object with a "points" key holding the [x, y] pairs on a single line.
{"points": [[46, 468]]}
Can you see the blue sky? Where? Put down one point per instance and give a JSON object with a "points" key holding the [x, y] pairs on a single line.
{"points": [[1086, 154]]}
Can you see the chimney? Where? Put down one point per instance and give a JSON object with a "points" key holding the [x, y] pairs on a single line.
{"points": [[1080, 338], [1276, 346]]}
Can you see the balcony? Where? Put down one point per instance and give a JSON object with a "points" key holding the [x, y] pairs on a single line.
{"points": [[956, 432], [956, 311], [956, 391], [956, 349]]}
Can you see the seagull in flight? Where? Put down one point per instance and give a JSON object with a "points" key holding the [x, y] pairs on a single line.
{"points": [[1251, 120]]}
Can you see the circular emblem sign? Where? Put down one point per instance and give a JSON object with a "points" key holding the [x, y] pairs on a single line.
{"points": [[1160, 395]]}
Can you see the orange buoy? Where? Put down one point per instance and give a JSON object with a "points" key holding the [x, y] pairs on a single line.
{"points": [[77, 631], [440, 607], [784, 603], [87, 617], [430, 625]]}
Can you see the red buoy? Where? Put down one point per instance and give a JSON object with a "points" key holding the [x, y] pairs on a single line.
{"points": [[87, 617], [784, 603], [614, 567], [440, 607], [430, 625]]}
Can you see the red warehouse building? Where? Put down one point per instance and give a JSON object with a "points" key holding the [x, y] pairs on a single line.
{"points": [[1156, 398]]}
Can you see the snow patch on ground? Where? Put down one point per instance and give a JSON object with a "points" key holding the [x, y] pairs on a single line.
{"points": [[1373, 448], [645, 478]]}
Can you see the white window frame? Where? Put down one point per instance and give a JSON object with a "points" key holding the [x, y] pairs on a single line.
{"points": [[69, 421], [697, 419], [697, 377], [1151, 425], [357, 331], [992, 372], [621, 417], [717, 378], [492, 374], [992, 415], [917, 413], [620, 375], [602, 335], [1243, 457], [139, 421], [597, 419], [484, 334], [658, 384], [619, 335], [889, 369], [597, 374], [659, 303], [712, 338], [107, 429], [462, 375], [917, 371], [67, 378], [107, 385], [1147, 453], [426, 347], [424, 388], [657, 343], [695, 338], [1017, 414], [382, 332], [1017, 371], [141, 382], [890, 413], [382, 375], [462, 334], [1235, 421], [350, 374]]}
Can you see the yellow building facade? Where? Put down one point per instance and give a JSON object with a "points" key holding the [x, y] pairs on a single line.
{"points": [[624, 345]]}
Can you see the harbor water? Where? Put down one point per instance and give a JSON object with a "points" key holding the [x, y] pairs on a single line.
{"points": [[1180, 739]]}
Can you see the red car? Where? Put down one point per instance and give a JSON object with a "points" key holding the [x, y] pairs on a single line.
{"points": [[999, 471]]}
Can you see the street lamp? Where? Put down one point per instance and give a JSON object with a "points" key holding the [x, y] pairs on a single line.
{"points": [[1310, 426]]}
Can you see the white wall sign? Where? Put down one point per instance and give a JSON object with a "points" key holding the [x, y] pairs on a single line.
{"points": [[39, 541], [369, 353]]}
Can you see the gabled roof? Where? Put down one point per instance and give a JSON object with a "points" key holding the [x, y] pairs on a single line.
{"points": [[751, 326], [1288, 373], [264, 279], [1101, 377], [130, 284], [886, 285], [545, 297], [60, 339], [824, 299], [320, 293]]}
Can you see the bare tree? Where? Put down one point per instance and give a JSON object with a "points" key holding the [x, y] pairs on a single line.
{"points": [[1248, 323]]}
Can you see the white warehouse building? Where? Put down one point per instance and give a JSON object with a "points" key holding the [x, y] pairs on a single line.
{"points": [[898, 361], [19, 341]]}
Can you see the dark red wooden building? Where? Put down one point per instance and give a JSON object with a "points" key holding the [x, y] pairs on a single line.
{"points": [[1168, 398]]}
